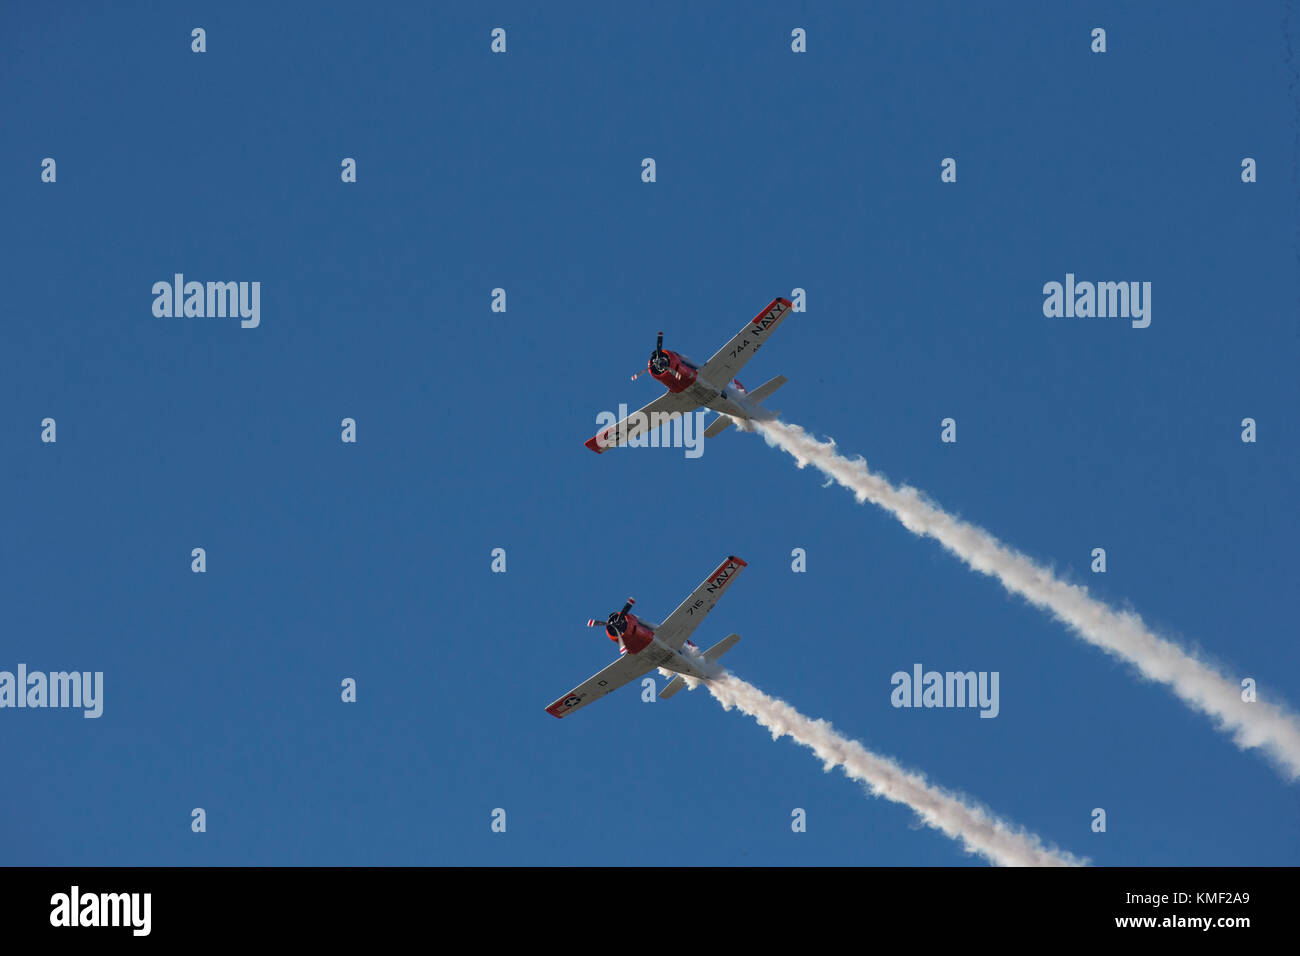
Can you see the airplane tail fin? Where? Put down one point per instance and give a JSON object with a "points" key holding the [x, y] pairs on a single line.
{"points": [[711, 655], [757, 396]]}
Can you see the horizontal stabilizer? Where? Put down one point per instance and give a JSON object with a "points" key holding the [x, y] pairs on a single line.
{"points": [[718, 426], [764, 391], [673, 687], [711, 655], [754, 399], [720, 648]]}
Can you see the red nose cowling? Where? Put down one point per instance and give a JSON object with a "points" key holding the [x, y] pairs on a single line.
{"points": [[677, 377], [636, 638]]}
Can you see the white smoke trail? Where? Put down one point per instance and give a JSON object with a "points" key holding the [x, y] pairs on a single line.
{"points": [[1124, 634], [978, 830]]}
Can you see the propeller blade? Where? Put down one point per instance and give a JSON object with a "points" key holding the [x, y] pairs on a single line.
{"points": [[659, 343]]}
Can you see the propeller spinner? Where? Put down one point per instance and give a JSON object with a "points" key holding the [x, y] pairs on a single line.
{"points": [[658, 360], [616, 623]]}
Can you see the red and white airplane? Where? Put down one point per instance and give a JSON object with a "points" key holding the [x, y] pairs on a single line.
{"points": [[644, 645], [711, 385]]}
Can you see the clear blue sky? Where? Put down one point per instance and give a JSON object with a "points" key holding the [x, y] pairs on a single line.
{"points": [[522, 171]]}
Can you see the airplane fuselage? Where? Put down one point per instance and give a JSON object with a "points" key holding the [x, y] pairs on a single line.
{"points": [[639, 639], [683, 376], [661, 655]]}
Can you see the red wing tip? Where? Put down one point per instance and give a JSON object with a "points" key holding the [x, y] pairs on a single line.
{"points": [[594, 444], [784, 301], [731, 559], [551, 710]]}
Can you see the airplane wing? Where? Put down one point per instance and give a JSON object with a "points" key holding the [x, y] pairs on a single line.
{"points": [[726, 364], [642, 420], [624, 670], [682, 622]]}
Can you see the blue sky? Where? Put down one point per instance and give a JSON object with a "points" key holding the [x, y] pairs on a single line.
{"points": [[775, 170]]}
